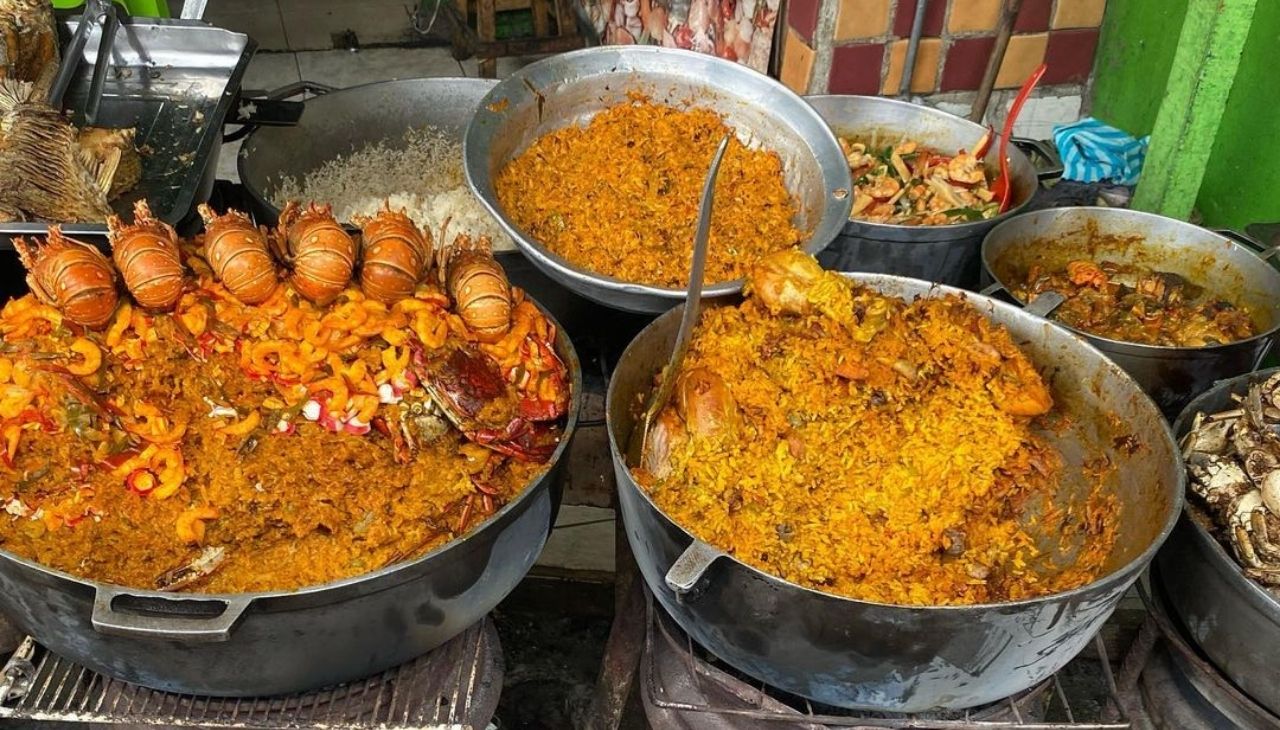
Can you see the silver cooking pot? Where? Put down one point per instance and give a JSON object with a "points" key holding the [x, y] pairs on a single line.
{"points": [[945, 254], [1231, 268], [570, 88], [1232, 619], [274, 642], [874, 656]]}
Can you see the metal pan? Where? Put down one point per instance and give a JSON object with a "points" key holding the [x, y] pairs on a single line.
{"points": [[1234, 621], [1172, 376], [946, 254], [873, 656], [175, 81], [275, 642], [341, 121], [572, 87]]}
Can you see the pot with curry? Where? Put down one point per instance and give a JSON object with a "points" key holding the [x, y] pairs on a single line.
{"points": [[1177, 306]]}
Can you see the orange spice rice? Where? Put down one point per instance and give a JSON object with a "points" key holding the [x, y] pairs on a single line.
{"points": [[870, 451], [619, 196]]}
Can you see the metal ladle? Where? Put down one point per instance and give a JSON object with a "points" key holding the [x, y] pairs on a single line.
{"points": [[693, 299]]}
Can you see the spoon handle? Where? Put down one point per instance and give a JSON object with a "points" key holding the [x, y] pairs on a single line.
{"points": [[692, 306]]}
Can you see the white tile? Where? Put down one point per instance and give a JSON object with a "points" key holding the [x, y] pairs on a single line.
{"points": [[310, 24], [268, 71], [260, 19], [347, 68], [583, 539], [1041, 115]]}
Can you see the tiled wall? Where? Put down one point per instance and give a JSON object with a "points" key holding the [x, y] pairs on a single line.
{"points": [[867, 42]]}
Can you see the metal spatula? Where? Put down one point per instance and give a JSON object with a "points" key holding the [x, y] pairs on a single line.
{"points": [[693, 299]]}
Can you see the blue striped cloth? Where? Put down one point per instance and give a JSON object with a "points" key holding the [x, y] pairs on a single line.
{"points": [[1093, 151]]}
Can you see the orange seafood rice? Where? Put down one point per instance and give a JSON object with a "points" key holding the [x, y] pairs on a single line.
{"points": [[619, 196], [869, 447], [225, 447]]}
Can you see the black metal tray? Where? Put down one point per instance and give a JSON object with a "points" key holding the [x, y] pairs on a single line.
{"points": [[176, 81]]}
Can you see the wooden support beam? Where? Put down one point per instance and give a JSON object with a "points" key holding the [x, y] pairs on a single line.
{"points": [[487, 32], [1204, 69]]}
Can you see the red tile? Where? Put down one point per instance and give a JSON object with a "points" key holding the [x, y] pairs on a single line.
{"points": [[856, 69], [934, 13], [803, 16], [966, 60], [1070, 56], [1034, 16]]}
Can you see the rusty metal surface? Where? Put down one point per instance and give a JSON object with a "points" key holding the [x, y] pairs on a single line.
{"points": [[455, 687]]}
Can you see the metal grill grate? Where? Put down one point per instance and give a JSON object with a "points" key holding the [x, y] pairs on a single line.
{"points": [[699, 695], [455, 687]]}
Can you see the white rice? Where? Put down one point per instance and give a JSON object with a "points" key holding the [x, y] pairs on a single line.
{"points": [[420, 173]]}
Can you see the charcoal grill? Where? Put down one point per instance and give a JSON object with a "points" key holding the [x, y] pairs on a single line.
{"points": [[455, 686]]}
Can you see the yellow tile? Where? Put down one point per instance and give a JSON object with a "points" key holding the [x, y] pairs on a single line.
{"points": [[797, 62], [1079, 13], [862, 19], [1024, 54], [925, 76], [968, 16]]}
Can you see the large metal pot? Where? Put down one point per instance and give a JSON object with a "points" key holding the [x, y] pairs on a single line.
{"points": [[570, 88], [1233, 620], [274, 642], [342, 121], [1172, 376], [945, 254], [874, 656]]}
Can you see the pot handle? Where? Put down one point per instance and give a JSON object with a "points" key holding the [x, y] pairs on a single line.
{"points": [[192, 620], [687, 571], [1263, 250], [272, 108], [1044, 150]]}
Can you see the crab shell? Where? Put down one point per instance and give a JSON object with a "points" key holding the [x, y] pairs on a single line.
{"points": [[237, 252], [322, 254], [393, 255], [72, 276], [146, 253]]}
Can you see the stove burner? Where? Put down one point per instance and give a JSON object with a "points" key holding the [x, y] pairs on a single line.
{"points": [[684, 687], [1176, 685], [456, 686]]}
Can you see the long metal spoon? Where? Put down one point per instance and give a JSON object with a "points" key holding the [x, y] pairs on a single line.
{"points": [[692, 308]]}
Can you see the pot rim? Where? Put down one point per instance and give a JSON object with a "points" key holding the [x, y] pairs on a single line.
{"points": [[1218, 556], [954, 230], [1122, 574], [1138, 347], [260, 196], [388, 572], [837, 196]]}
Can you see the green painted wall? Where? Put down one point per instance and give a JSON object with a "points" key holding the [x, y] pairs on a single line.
{"points": [[1242, 183], [1135, 52]]}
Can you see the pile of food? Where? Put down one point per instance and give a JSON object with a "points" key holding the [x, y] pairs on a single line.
{"points": [[251, 419], [909, 184], [420, 173], [1138, 304], [1233, 459], [619, 196], [870, 447]]}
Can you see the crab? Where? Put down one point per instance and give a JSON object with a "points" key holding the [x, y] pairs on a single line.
{"points": [[463, 387], [1233, 459]]}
